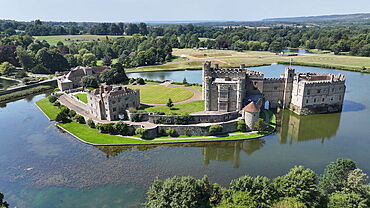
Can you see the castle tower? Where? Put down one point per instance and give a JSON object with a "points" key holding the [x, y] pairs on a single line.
{"points": [[251, 114], [288, 86]]}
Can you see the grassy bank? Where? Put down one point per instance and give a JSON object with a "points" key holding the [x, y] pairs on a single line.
{"points": [[185, 108], [23, 93], [81, 96], [188, 59], [93, 136], [161, 94]]}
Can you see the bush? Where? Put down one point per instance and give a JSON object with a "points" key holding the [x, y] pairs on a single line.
{"points": [[52, 98], [242, 126], [62, 117], [162, 132], [89, 82], [132, 110], [142, 132], [57, 103], [79, 119], [140, 81], [91, 123], [121, 128], [72, 113], [260, 125], [20, 74], [172, 132], [105, 128], [215, 129]]}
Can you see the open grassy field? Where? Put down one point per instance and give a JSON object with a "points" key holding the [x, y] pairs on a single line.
{"points": [[194, 59], [68, 39], [185, 108], [48, 108], [81, 96], [161, 94]]}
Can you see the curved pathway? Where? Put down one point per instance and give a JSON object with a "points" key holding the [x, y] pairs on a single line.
{"points": [[196, 95]]}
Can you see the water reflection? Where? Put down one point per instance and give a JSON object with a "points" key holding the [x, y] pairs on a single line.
{"points": [[305, 128]]}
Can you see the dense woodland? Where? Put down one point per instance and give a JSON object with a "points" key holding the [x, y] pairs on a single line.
{"points": [[148, 45], [342, 185]]}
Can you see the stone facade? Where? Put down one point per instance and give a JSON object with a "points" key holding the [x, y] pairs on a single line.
{"points": [[72, 79], [228, 90], [111, 102]]}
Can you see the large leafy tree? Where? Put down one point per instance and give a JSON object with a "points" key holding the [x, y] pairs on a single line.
{"points": [[25, 58], [299, 183], [52, 60], [347, 200], [8, 54], [89, 81], [180, 192], [6, 68], [335, 175], [114, 75]]}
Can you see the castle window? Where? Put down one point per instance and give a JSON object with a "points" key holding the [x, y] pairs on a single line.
{"points": [[308, 92], [275, 88], [114, 109], [306, 100], [332, 89], [323, 99], [314, 100], [318, 91], [331, 99]]}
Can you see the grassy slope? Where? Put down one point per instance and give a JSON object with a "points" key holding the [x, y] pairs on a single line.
{"points": [[160, 94], [194, 59], [48, 108], [81, 96], [68, 39], [185, 108]]}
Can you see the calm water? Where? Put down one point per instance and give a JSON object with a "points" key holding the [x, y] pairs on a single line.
{"points": [[296, 50], [43, 167]]}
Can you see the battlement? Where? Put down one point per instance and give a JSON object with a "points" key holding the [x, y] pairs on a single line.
{"points": [[273, 79], [315, 78]]}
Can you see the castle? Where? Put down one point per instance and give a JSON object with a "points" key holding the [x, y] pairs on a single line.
{"points": [[111, 102], [228, 90]]}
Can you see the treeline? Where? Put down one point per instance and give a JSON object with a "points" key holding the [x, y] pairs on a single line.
{"points": [[341, 185], [39, 57]]}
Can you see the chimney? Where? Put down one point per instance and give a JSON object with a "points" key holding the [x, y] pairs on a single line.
{"points": [[216, 66], [242, 66]]}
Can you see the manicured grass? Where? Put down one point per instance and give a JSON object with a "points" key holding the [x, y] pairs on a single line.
{"points": [[23, 93], [161, 94], [100, 62], [81, 96], [185, 108], [48, 108], [68, 39], [194, 59]]}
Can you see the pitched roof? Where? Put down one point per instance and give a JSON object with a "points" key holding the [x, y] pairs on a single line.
{"points": [[251, 107]]}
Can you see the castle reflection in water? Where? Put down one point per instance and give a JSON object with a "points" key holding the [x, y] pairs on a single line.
{"points": [[293, 128]]}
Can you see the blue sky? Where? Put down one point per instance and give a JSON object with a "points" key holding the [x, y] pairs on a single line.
{"points": [[172, 10]]}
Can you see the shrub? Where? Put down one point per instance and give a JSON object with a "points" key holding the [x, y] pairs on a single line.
{"points": [[121, 128], [20, 74], [215, 129], [242, 126], [72, 113], [172, 132], [187, 132], [142, 132], [91, 123], [62, 117], [52, 98], [260, 125], [132, 110], [140, 81], [57, 103], [132, 80], [105, 128], [169, 103], [289, 203], [162, 132], [79, 119]]}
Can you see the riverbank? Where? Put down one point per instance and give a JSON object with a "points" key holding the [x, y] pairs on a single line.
{"points": [[22, 93], [93, 137], [193, 59]]}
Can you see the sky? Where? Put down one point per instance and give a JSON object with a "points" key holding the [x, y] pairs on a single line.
{"points": [[173, 10]]}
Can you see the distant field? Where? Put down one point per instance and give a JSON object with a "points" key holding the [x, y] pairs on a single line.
{"points": [[194, 59], [68, 39]]}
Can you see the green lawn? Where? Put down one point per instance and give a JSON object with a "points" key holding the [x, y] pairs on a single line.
{"points": [[68, 39], [185, 108], [161, 94], [100, 62], [81, 96], [48, 108]]}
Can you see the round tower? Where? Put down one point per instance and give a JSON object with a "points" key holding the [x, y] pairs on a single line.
{"points": [[251, 114]]}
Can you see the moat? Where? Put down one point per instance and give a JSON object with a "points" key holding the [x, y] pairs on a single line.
{"points": [[43, 167]]}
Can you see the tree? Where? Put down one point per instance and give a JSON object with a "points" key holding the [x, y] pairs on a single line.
{"points": [[347, 200], [40, 69], [240, 200], [25, 58], [242, 126], [52, 98], [6, 68], [52, 60], [335, 175], [89, 81], [115, 75], [62, 117], [90, 123], [260, 125], [142, 132], [180, 192], [169, 103], [215, 129], [140, 81], [79, 119], [107, 60], [3, 204], [299, 183], [289, 203], [89, 59], [8, 54], [121, 128], [184, 81], [172, 132]]}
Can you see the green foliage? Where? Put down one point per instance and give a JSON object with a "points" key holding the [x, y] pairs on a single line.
{"points": [[179, 120], [169, 103], [105, 128], [180, 192], [89, 81], [299, 183], [347, 200], [289, 203], [89, 59], [26, 58], [3, 204], [242, 126], [6, 68], [79, 119], [52, 98], [335, 175], [22, 93], [72, 113], [140, 81], [260, 125], [122, 128], [115, 75], [172, 132], [90, 123], [62, 117], [20, 74], [240, 200], [142, 132], [259, 188], [215, 129], [40, 69]]}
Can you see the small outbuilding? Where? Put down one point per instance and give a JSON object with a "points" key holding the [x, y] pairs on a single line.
{"points": [[250, 114]]}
